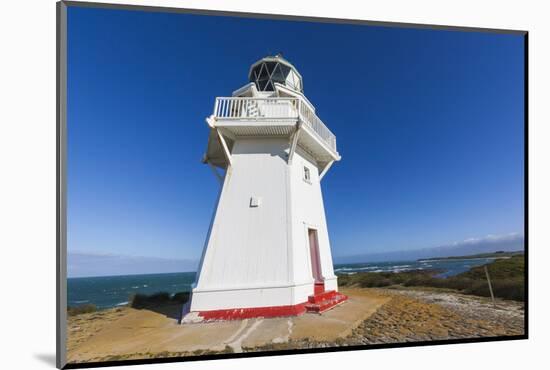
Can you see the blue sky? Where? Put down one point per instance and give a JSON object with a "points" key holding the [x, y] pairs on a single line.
{"points": [[429, 125]]}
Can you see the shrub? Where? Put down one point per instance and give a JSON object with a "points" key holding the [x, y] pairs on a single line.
{"points": [[143, 300], [507, 289], [161, 297], [381, 279], [139, 300], [507, 279], [509, 268], [510, 289], [419, 280], [181, 297], [344, 280]]}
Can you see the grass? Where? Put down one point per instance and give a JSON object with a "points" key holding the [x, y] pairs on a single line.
{"points": [[78, 310], [507, 279]]}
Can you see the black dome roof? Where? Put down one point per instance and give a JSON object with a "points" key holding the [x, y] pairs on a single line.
{"points": [[265, 72]]}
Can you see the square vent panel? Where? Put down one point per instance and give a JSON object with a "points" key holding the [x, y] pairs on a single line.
{"points": [[255, 201]]}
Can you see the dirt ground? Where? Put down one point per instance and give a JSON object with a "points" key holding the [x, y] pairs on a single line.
{"points": [[370, 316], [430, 315]]}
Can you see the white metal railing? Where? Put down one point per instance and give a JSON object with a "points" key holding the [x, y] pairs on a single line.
{"points": [[273, 109], [310, 118]]}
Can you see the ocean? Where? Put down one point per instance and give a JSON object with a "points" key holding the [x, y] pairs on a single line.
{"points": [[112, 291], [446, 266]]}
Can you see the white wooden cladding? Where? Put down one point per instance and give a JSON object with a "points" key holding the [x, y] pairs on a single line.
{"points": [[273, 109]]}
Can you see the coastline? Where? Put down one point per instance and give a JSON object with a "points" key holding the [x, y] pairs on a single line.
{"points": [[112, 291]]}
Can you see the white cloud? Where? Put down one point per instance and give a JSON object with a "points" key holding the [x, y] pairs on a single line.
{"points": [[489, 238], [105, 264], [486, 244]]}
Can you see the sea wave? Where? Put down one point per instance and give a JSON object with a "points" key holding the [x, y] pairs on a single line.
{"points": [[403, 269], [393, 268], [355, 268]]}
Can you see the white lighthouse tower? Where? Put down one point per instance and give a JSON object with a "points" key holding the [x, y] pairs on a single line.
{"points": [[267, 251]]}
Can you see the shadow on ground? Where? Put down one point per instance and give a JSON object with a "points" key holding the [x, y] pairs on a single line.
{"points": [[170, 310], [47, 358]]}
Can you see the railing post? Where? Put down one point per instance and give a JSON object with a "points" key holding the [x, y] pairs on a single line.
{"points": [[216, 107]]}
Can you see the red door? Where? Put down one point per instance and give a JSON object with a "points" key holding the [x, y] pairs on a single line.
{"points": [[314, 254]]}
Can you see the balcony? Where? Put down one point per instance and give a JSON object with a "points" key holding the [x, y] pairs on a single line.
{"points": [[269, 111]]}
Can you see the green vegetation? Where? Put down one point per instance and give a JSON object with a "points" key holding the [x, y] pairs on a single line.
{"points": [[507, 279], [497, 254], [510, 268], [383, 279], [138, 301], [78, 310], [143, 300], [181, 297]]}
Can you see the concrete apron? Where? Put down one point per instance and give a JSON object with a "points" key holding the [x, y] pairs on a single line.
{"points": [[164, 334]]}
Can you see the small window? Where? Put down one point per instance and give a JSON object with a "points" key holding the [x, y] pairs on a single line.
{"points": [[307, 175]]}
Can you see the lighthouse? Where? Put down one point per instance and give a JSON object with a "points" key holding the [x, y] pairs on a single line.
{"points": [[267, 252]]}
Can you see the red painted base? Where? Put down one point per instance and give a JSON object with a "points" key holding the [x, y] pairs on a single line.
{"points": [[247, 313], [318, 288], [319, 303]]}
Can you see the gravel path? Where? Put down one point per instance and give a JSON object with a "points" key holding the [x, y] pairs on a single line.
{"points": [[413, 315], [418, 315]]}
